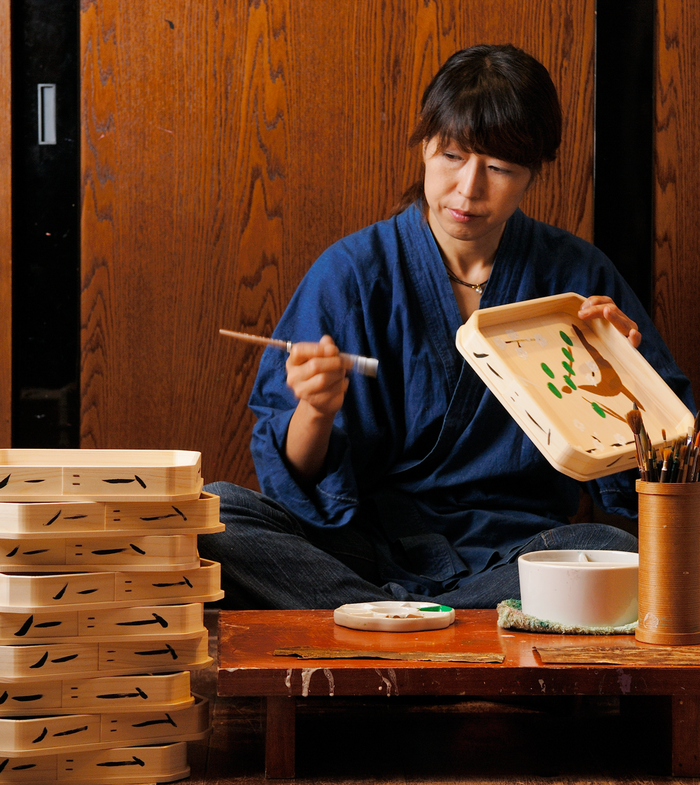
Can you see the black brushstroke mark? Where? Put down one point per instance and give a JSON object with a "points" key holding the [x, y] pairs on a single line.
{"points": [[163, 517], [593, 449], [36, 552], [41, 736], [140, 481], [67, 658], [133, 762], [480, 355], [118, 481], [108, 551], [75, 517], [43, 624], [4, 697], [492, 371], [137, 549], [24, 629], [60, 593], [535, 421], [54, 519], [24, 766], [41, 661], [157, 652], [87, 591], [4, 482], [113, 695], [171, 24], [27, 698], [615, 461], [3, 764], [35, 481], [141, 622], [183, 582], [70, 732], [168, 721], [12, 553]]}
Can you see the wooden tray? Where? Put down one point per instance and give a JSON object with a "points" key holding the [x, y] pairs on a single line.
{"points": [[100, 475], [128, 553], [39, 662], [105, 693], [84, 732], [61, 519], [112, 766], [144, 622], [92, 590], [569, 384]]}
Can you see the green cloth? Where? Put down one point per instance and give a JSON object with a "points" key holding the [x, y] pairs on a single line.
{"points": [[511, 617]]}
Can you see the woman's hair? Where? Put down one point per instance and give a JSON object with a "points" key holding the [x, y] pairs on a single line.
{"points": [[495, 100]]}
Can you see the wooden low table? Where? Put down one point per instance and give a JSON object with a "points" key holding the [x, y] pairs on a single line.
{"points": [[471, 657]]}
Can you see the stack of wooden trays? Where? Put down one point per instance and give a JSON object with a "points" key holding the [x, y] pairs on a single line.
{"points": [[101, 614]]}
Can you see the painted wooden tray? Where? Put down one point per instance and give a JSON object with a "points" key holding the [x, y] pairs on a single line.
{"points": [[92, 590], [144, 622], [106, 693], [83, 732], [61, 519], [128, 553], [112, 766], [569, 384], [38, 662], [99, 475]]}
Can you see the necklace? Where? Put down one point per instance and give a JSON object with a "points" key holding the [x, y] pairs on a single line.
{"points": [[477, 287]]}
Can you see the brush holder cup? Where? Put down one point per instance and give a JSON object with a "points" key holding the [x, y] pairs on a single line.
{"points": [[669, 563]]}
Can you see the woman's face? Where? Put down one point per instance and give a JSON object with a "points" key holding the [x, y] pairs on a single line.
{"points": [[470, 196]]}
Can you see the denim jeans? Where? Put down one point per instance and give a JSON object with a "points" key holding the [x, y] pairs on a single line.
{"points": [[271, 560]]}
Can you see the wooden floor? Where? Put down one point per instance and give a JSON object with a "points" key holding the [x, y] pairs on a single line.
{"points": [[396, 741]]}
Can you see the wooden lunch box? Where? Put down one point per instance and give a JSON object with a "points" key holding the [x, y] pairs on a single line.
{"points": [[83, 732], [127, 765], [62, 518], [41, 661], [105, 693], [143, 622], [88, 590], [569, 384], [80, 554], [100, 475]]}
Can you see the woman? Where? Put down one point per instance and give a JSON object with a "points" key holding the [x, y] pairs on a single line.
{"points": [[418, 484]]}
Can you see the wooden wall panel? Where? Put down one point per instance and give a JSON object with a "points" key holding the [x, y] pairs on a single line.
{"points": [[677, 186], [225, 145], [5, 228]]}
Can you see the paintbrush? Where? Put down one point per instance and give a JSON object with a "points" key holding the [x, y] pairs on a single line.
{"points": [[664, 469], [367, 366], [634, 420]]}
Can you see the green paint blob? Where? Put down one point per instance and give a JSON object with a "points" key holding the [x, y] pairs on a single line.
{"points": [[598, 410], [548, 370], [568, 368], [553, 388], [565, 338], [567, 354], [567, 379]]}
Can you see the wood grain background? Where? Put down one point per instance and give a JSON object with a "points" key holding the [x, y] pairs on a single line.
{"points": [[676, 290], [5, 228], [225, 145]]}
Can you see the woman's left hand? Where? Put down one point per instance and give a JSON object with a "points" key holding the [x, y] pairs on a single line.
{"points": [[601, 307]]}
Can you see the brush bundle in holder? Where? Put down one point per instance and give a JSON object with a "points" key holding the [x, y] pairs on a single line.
{"points": [[669, 563]]}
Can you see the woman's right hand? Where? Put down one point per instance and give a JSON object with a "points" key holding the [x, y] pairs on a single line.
{"points": [[317, 375]]}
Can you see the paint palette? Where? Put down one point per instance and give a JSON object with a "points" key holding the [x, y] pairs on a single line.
{"points": [[394, 616], [569, 384]]}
